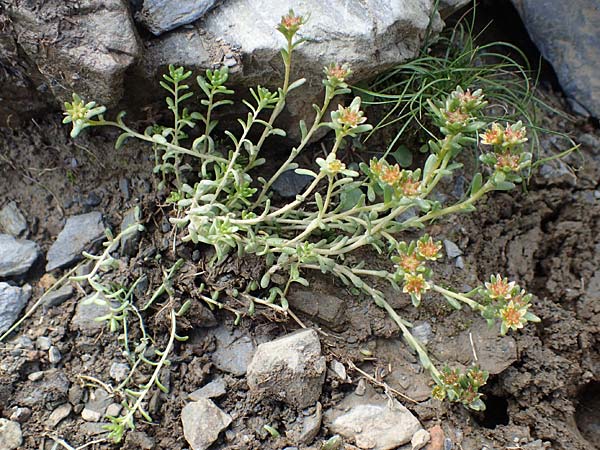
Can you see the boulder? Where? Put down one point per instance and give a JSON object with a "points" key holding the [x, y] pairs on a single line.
{"points": [[160, 16], [66, 47], [12, 301], [79, 234], [16, 256], [290, 369], [566, 33]]}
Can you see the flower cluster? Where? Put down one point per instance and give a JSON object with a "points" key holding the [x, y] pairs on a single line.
{"points": [[404, 183], [506, 301], [349, 120], [79, 113], [458, 113], [507, 154], [461, 387], [336, 74], [332, 166], [410, 265], [290, 24]]}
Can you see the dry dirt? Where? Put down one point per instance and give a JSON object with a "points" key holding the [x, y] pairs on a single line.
{"points": [[547, 238]]}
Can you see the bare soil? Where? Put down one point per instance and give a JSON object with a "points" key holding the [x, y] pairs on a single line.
{"points": [[546, 237]]}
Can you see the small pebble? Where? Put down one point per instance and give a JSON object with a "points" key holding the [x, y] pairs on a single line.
{"points": [[361, 387], [43, 343], [35, 376], [460, 262], [54, 355], [93, 199], [452, 250], [59, 414], [113, 410], [20, 414], [420, 439], [119, 371], [24, 342], [124, 187], [230, 62], [339, 369], [90, 416]]}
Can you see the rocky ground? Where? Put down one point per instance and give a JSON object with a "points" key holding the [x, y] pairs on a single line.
{"points": [[348, 373]]}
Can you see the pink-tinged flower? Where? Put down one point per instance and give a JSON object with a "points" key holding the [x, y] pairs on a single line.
{"points": [[493, 136], [337, 72], [376, 166], [515, 134], [290, 24], [350, 117], [391, 174], [456, 116], [499, 288], [410, 187], [512, 316], [409, 263], [507, 162], [428, 249], [415, 285], [467, 96]]}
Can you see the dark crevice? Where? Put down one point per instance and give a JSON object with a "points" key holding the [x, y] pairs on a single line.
{"points": [[496, 412], [587, 413]]}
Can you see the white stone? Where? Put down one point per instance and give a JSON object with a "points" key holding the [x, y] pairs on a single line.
{"points": [[202, 422], [10, 435]]}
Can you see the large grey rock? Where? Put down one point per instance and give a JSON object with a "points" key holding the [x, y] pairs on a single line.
{"points": [[83, 47], [376, 35], [12, 220], [79, 234], [160, 16], [290, 369], [372, 422], [12, 301], [10, 435], [16, 256], [202, 422], [566, 33]]}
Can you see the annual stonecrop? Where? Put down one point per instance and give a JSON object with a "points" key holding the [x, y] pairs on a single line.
{"points": [[80, 114], [508, 155]]}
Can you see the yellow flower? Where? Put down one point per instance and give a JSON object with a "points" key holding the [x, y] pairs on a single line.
{"points": [[376, 166], [428, 249], [512, 316], [336, 166], [493, 136], [415, 285]]}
